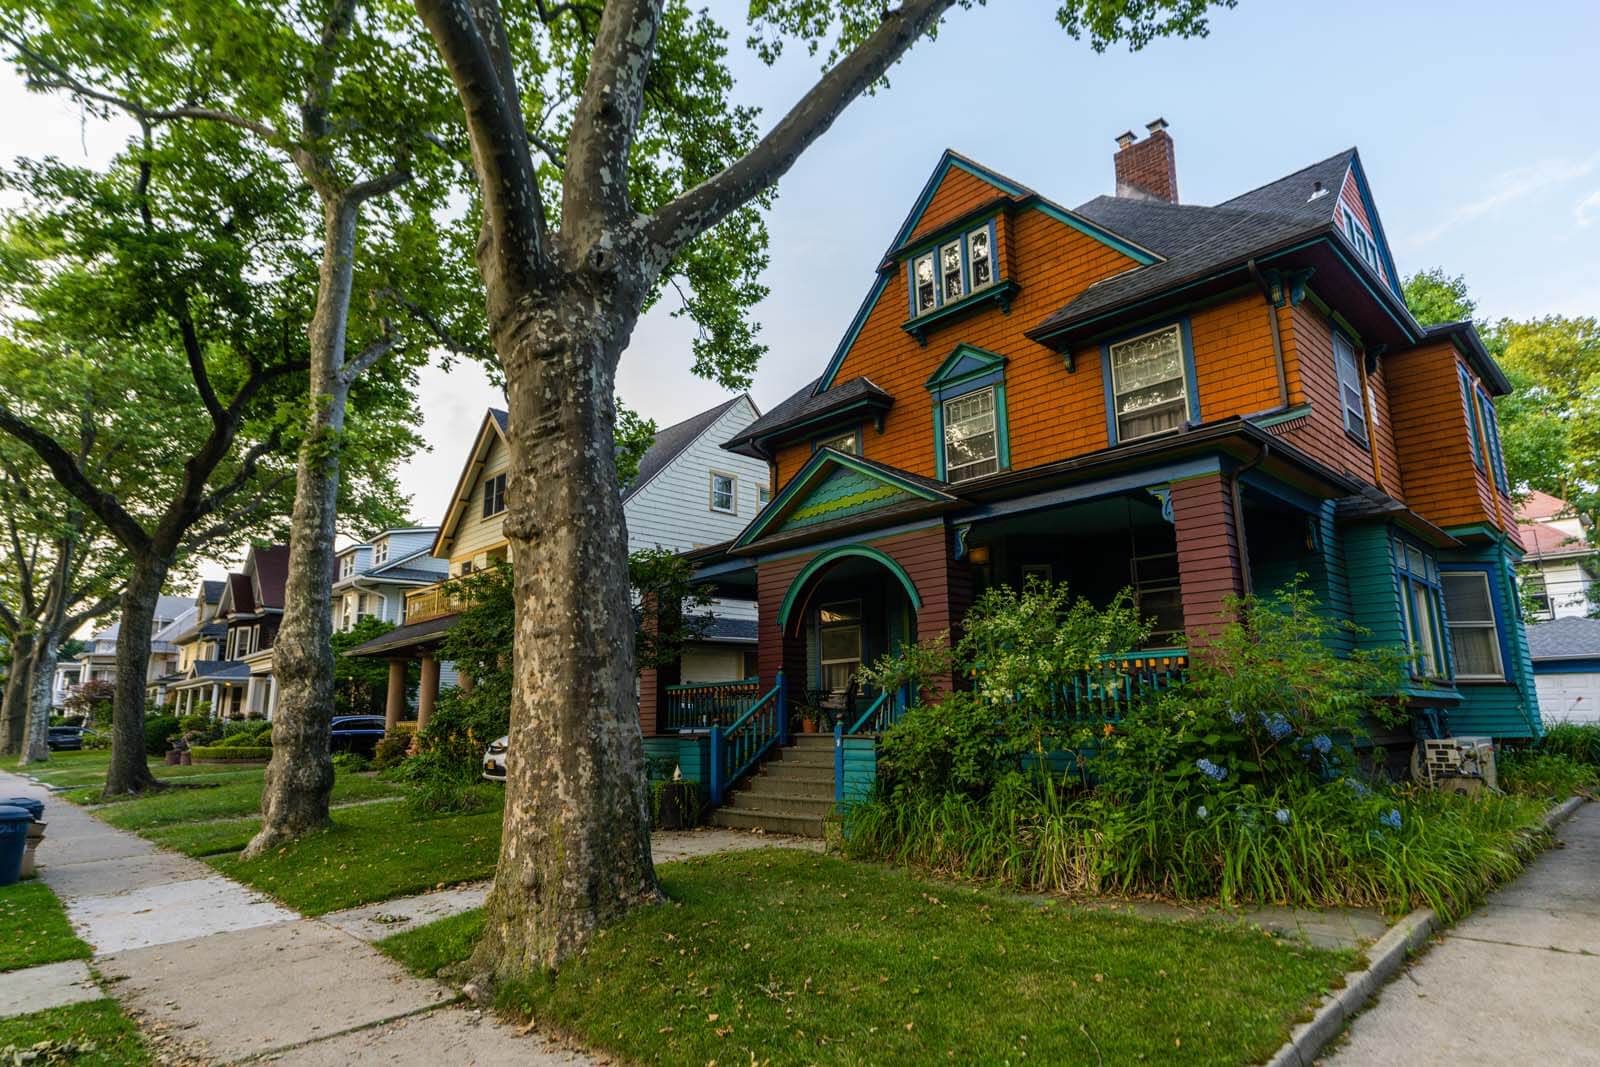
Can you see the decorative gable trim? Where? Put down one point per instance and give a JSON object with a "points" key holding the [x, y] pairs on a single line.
{"points": [[815, 495], [965, 365]]}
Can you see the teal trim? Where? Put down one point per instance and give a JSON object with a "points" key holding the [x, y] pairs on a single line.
{"points": [[938, 438], [1491, 430], [1299, 411], [963, 362], [826, 381], [843, 493], [1002, 425], [1472, 419], [1365, 192], [999, 292], [1139, 255], [833, 555], [1508, 709], [878, 533], [808, 477], [855, 432]]}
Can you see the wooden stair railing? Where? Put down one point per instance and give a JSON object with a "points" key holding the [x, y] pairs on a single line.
{"points": [[738, 748]]}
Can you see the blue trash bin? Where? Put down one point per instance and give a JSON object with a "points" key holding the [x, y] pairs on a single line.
{"points": [[14, 824], [32, 806]]}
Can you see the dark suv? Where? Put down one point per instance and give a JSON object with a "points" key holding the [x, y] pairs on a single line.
{"points": [[67, 738], [356, 733]]}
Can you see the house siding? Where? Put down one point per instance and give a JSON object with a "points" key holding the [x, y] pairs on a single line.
{"points": [[673, 510], [1508, 709], [474, 534]]}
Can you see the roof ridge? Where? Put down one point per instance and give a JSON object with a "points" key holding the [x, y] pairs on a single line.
{"points": [[1285, 177]]}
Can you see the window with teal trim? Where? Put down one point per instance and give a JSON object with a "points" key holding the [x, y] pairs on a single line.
{"points": [[1417, 579], [1491, 433], [1474, 633], [1466, 409], [1351, 387], [1149, 384], [848, 442], [952, 270], [971, 436]]}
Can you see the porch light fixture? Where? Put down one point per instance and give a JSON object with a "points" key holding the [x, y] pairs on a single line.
{"points": [[978, 554]]}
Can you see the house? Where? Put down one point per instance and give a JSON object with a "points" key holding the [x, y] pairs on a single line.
{"points": [[98, 661], [688, 493], [371, 579], [196, 637], [239, 683], [1566, 668], [1560, 570], [1193, 402]]}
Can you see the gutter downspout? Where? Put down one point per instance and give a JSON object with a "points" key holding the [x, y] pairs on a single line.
{"points": [[1238, 516], [1277, 337]]}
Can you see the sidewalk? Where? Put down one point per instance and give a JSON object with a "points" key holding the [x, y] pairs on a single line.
{"points": [[1517, 981], [215, 972]]}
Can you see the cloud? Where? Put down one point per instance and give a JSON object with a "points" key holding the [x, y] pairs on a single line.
{"points": [[1514, 185], [1588, 209]]}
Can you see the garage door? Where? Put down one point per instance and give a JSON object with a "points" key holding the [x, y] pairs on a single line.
{"points": [[1569, 697]]}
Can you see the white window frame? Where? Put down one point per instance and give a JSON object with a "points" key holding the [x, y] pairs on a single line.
{"points": [[1176, 329], [934, 257], [951, 472], [491, 497], [733, 493], [848, 442], [1491, 624], [347, 565], [852, 622], [933, 272], [1351, 405], [380, 552], [763, 496], [1365, 243], [945, 276], [973, 285]]}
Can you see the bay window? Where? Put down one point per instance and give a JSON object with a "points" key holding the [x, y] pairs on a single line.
{"points": [[1417, 578]]}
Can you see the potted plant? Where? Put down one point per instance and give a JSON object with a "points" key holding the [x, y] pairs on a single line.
{"points": [[676, 802]]}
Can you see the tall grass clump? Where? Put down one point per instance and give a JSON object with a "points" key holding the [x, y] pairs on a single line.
{"points": [[1253, 783]]}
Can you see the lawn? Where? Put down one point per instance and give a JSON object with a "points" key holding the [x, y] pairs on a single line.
{"points": [[34, 928], [791, 957], [183, 804], [97, 1023], [375, 852]]}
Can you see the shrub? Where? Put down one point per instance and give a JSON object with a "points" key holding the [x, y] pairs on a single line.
{"points": [[689, 801], [1579, 742], [352, 762], [232, 752], [961, 746], [159, 730], [392, 748], [91, 702], [463, 726], [439, 786], [1544, 775], [100, 739]]}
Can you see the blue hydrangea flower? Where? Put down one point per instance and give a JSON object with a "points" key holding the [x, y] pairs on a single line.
{"points": [[1277, 726], [1391, 818], [1236, 716], [1283, 816], [1211, 770], [1322, 743], [1359, 786], [1201, 811]]}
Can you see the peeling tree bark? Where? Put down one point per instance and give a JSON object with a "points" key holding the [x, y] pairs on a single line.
{"points": [[42, 669]]}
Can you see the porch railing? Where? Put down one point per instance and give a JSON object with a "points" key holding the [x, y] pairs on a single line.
{"points": [[705, 704], [432, 602], [1109, 692], [736, 749], [881, 714]]}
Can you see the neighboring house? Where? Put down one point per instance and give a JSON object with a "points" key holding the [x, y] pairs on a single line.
{"points": [[1566, 666], [688, 493], [1192, 402], [1559, 571], [98, 661], [239, 683], [371, 580], [196, 637]]}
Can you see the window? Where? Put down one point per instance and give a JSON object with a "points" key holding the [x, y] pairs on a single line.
{"points": [[1466, 409], [723, 493], [844, 442], [763, 496], [1418, 579], [1359, 237], [1491, 434], [1536, 594], [1474, 638], [494, 495], [347, 565], [1149, 392], [971, 440], [380, 552], [839, 644], [1350, 387], [954, 270]]}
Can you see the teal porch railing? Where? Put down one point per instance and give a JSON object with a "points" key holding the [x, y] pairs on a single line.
{"points": [[737, 748], [698, 705], [1109, 692]]}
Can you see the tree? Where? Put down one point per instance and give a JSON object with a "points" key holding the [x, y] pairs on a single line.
{"points": [[360, 686], [610, 160], [1435, 297]]}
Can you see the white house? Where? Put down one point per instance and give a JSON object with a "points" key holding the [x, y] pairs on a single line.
{"points": [[372, 578], [1566, 668], [98, 662], [1559, 569]]}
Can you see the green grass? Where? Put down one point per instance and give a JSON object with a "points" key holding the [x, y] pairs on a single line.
{"points": [[205, 838], [34, 928], [116, 1043], [372, 853], [789, 957], [228, 800]]}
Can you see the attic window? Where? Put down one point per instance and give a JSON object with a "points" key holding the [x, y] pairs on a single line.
{"points": [[494, 495], [347, 565], [380, 553], [952, 270], [1357, 232]]}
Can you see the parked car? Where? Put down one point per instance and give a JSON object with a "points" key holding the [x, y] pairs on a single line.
{"points": [[67, 738], [494, 760], [356, 733]]}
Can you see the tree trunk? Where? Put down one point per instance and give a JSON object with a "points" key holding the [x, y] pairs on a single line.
{"points": [[36, 730], [14, 708], [299, 780], [575, 847], [129, 771]]}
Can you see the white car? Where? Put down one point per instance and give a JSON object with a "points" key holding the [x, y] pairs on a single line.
{"points": [[494, 760]]}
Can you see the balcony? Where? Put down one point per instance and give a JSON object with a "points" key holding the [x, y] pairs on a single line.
{"points": [[433, 601]]}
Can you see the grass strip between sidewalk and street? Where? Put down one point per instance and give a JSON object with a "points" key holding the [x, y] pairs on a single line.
{"points": [[34, 928], [794, 957], [186, 805], [95, 1033]]}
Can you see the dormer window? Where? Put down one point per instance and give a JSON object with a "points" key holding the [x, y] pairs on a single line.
{"points": [[845, 442], [380, 553], [1356, 230], [1149, 384], [953, 270], [347, 565], [494, 495]]}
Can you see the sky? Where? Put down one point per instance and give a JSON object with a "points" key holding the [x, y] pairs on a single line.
{"points": [[1476, 125]]}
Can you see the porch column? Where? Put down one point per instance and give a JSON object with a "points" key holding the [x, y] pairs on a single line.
{"points": [[216, 700], [250, 696], [428, 693], [1210, 553], [395, 704], [272, 695], [943, 582]]}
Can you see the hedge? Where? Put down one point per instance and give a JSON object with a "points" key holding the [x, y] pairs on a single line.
{"points": [[231, 753]]}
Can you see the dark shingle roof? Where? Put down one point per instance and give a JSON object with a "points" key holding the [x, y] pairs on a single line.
{"points": [[405, 574], [211, 590], [802, 405], [721, 629], [221, 669], [1570, 638], [674, 439], [1291, 194], [501, 418], [402, 637]]}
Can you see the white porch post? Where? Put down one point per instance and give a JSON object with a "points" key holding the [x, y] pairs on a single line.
{"points": [[250, 696], [216, 699], [272, 695]]}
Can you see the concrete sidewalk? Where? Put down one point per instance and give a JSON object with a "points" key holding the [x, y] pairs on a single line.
{"points": [[1517, 981]]}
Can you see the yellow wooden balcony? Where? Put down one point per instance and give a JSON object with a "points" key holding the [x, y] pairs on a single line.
{"points": [[433, 601]]}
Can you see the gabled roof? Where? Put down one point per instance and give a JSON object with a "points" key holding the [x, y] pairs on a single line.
{"points": [[238, 598], [211, 590], [268, 570], [1537, 505], [1567, 638], [671, 442], [803, 409], [493, 428]]}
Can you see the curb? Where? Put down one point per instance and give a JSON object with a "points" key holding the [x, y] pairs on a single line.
{"points": [[1385, 958]]}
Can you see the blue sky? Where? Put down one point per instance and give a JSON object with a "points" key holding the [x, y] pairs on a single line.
{"points": [[1477, 126]]}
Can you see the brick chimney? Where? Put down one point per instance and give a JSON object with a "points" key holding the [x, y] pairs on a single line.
{"points": [[1148, 169]]}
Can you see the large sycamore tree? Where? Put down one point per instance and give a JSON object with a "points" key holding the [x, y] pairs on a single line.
{"points": [[610, 155]]}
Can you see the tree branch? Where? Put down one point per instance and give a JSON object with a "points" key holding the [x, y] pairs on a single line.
{"points": [[700, 208], [104, 505], [370, 355]]}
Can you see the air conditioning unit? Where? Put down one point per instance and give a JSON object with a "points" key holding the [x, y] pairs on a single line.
{"points": [[1457, 764]]}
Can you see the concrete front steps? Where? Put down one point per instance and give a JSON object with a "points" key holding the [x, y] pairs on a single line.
{"points": [[789, 794]]}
